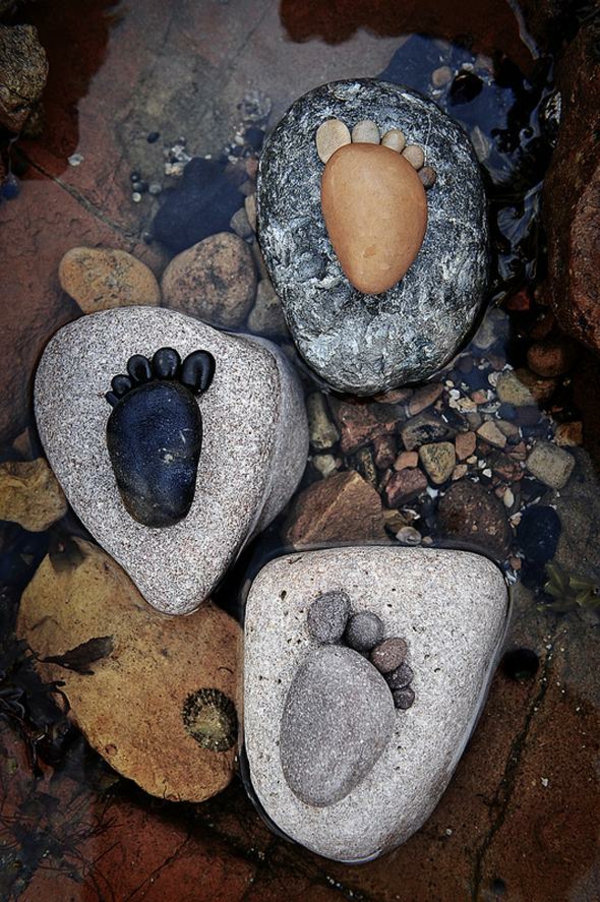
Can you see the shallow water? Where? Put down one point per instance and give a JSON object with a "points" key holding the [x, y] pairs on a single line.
{"points": [[519, 820]]}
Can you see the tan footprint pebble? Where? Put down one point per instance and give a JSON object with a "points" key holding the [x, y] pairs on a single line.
{"points": [[331, 135], [365, 132], [414, 155], [394, 139]]}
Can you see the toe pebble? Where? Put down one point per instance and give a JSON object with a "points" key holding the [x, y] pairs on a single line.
{"points": [[403, 698], [400, 678], [331, 135], [414, 154], [364, 631], [365, 132], [389, 655], [328, 616], [428, 176], [394, 139]]}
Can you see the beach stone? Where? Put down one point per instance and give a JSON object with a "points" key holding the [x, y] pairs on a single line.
{"points": [[101, 278], [327, 617], [214, 280], [375, 213], [365, 132], [404, 486], [254, 446], [400, 677], [408, 588], [414, 155], [438, 460], [425, 428], [389, 654], [550, 464], [404, 698], [395, 139], [331, 135], [30, 495], [364, 631], [470, 514], [337, 720], [511, 390], [465, 444], [341, 508], [266, 317], [492, 434], [360, 422], [369, 344], [158, 697], [23, 74], [323, 431]]}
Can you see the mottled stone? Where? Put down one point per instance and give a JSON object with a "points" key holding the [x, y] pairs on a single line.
{"points": [[389, 654], [375, 213], [337, 720], [214, 280], [361, 422], [367, 345], [438, 460], [404, 785], [340, 509], [551, 357], [327, 617], [490, 433], [364, 631], [23, 73], [101, 278], [470, 514], [323, 431], [405, 485], [511, 390], [550, 464], [425, 428], [404, 698], [400, 677], [254, 446], [30, 495]]}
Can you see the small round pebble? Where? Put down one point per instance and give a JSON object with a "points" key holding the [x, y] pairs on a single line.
{"points": [[403, 698], [327, 617], [414, 155], [400, 677], [428, 177], [394, 139], [153, 137], [364, 631], [155, 188], [331, 135], [365, 132], [389, 655]]}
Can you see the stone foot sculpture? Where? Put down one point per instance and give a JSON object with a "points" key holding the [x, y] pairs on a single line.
{"points": [[154, 434]]}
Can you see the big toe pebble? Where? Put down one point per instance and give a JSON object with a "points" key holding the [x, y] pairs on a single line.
{"points": [[255, 441], [452, 606]]}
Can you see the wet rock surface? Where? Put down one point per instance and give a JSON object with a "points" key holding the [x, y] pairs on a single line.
{"points": [[338, 718], [237, 492], [362, 343], [30, 495], [408, 589]]}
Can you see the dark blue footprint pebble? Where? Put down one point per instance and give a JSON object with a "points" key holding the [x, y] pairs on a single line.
{"points": [[154, 433]]}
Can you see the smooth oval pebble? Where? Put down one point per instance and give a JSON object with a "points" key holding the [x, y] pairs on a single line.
{"points": [[389, 654], [327, 616], [401, 677], [365, 132], [375, 210], [101, 278], [414, 155], [337, 720], [394, 139], [331, 135], [404, 698], [364, 631]]}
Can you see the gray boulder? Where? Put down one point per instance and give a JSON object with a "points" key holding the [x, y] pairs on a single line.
{"points": [[360, 343]]}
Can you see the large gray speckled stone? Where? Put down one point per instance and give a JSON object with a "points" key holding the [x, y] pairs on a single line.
{"points": [[337, 720], [255, 442], [451, 606], [365, 343]]}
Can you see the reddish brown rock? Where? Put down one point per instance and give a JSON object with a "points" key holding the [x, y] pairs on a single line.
{"points": [[551, 357], [465, 444], [405, 485], [361, 422], [470, 514], [384, 448], [342, 508], [424, 397], [572, 195], [375, 211]]}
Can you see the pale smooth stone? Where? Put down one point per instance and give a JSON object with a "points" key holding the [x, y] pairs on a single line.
{"points": [[365, 132], [452, 649], [414, 155], [394, 139], [254, 447], [375, 211], [331, 135]]}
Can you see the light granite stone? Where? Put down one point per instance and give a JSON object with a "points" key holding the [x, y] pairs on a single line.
{"points": [[255, 442], [361, 343], [452, 607]]}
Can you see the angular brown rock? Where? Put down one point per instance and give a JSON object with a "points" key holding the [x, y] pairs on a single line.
{"points": [[473, 516]]}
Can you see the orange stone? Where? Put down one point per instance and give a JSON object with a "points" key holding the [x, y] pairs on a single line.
{"points": [[375, 210]]}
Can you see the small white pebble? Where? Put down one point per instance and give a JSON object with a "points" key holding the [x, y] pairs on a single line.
{"points": [[331, 135], [508, 498], [414, 155], [365, 132], [136, 197], [394, 139], [545, 781], [487, 472], [76, 159]]}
